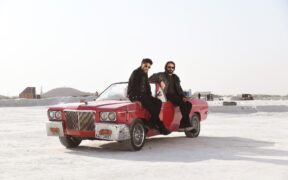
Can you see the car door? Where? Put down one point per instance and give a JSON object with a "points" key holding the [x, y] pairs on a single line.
{"points": [[170, 115]]}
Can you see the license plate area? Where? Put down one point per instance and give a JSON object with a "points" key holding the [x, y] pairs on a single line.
{"points": [[103, 131]]}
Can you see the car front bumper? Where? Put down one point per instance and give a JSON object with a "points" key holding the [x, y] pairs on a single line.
{"points": [[104, 131], [113, 132], [54, 128]]}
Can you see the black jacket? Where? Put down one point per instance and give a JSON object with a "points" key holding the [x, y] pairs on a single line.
{"points": [[138, 85], [163, 76]]}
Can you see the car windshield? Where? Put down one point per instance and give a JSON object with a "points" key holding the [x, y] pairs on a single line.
{"points": [[118, 91]]}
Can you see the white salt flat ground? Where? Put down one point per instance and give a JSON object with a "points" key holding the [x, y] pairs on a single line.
{"points": [[230, 146]]}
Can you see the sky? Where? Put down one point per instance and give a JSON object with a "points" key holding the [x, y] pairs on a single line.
{"points": [[223, 46]]}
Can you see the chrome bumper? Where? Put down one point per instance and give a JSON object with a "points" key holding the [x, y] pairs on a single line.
{"points": [[105, 131], [54, 128], [112, 132]]}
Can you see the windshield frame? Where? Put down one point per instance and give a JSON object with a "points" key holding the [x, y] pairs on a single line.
{"points": [[154, 94]]}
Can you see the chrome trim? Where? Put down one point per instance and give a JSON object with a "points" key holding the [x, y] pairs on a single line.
{"points": [[120, 112], [76, 121], [73, 110], [57, 125], [131, 111], [120, 132]]}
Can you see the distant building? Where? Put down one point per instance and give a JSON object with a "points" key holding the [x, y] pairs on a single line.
{"points": [[28, 93]]}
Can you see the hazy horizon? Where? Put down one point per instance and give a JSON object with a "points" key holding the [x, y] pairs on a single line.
{"points": [[193, 92], [226, 47]]}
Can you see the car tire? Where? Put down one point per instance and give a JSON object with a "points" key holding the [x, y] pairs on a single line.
{"points": [[137, 136], [195, 122], [70, 141]]}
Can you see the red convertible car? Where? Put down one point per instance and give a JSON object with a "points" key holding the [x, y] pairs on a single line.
{"points": [[114, 117]]}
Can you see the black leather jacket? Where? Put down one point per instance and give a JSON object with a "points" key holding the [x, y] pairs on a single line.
{"points": [[138, 85], [163, 76]]}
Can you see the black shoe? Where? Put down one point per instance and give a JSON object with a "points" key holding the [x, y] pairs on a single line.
{"points": [[184, 127], [163, 130], [188, 128]]}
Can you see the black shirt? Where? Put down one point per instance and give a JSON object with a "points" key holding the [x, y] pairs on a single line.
{"points": [[138, 86], [171, 89]]}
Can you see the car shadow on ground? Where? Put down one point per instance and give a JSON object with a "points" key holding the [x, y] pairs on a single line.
{"points": [[182, 149]]}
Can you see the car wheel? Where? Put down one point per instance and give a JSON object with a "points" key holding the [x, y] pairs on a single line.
{"points": [[138, 136], [195, 122], [70, 141]]}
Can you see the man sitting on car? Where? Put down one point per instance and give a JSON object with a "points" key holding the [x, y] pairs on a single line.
{"points": [[139, 90], [170, 83]]}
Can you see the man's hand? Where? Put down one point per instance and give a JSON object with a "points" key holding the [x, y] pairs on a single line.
{"points": [[162, 85]]}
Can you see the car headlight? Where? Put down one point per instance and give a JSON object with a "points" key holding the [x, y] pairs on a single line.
{"points": [[108, 116], [112, 116], [58, 115], [51, 114], [55, 115], [103, 116]]}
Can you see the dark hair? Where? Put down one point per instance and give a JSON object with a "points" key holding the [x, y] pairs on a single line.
{"points": [[169, 62], [147, 60]]}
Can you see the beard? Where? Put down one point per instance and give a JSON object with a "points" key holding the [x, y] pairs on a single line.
{"points": [[169, 71]]}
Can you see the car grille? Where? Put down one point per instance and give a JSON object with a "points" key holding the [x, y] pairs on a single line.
{"points": [[80, 120]]}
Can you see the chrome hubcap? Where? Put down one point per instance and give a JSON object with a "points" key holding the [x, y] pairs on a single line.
{"points": [[195, 124], [138, 135]]}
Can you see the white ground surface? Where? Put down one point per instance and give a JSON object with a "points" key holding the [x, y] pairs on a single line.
{"points": [[230, 146]]}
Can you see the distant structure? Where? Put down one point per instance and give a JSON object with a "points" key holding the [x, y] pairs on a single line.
{"points": [[247, 97], [28, 93], [207, 95], [229, 103], [65, 92], [41, 91]]}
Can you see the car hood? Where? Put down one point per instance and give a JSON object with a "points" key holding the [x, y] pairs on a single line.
{"points": [[94, 105]]}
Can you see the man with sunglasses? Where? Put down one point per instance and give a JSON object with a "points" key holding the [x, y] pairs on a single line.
{"points": [[170, 83], [139, 90]]}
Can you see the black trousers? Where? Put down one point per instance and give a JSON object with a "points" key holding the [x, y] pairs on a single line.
{"points": [[185, 108], [153, 105]]}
